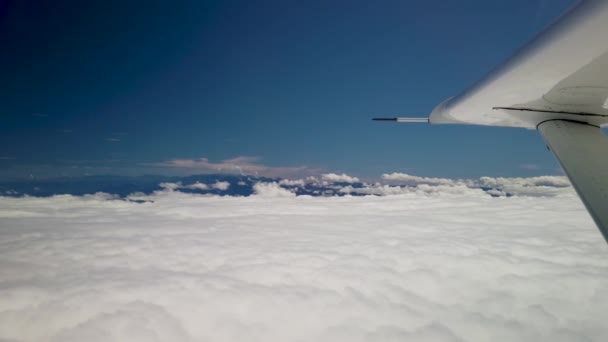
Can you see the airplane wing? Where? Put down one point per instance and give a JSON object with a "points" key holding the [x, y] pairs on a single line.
{"points": [[557, 84], [562, 74]]}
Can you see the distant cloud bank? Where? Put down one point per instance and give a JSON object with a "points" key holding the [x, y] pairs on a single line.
{"points": [[243, 165], [395, 184], [329, 184], [343, 178]]}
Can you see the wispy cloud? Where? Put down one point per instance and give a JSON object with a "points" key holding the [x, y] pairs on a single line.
{"points": [[241, 165], [7, 158], [112, 139], [405, 178], [88, 161], [530, 166]]}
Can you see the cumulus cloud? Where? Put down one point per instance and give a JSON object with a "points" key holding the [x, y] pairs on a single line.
{"points": [[271, 190], [239, 165], [197, 186], [502, 186], [532, 186], [292, 182], [550, 181], [421, 265], [387, 190], [168, 186], [221, 185], [343, 178]]}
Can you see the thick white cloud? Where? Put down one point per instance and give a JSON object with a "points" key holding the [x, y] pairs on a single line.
{"points": [[168, 186], [343, 178], [197, 186], [221, 185], [271, 190], [387, 190], [532, 186], [434, 263]]}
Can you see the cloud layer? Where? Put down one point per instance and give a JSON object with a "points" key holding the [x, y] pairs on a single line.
{"points": [[442, 263]]}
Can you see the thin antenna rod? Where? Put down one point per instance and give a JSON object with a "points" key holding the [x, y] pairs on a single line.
{"points": [[404, 120]]}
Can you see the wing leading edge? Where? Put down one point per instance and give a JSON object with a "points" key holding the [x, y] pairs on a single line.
{"points": [[558, 84], [561, 74]]}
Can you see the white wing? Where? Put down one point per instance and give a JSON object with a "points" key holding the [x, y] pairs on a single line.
{"points": [[557, 84], [582, 150], [562, 74]]}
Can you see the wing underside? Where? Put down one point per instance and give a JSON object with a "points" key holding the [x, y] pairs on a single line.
{"points": [[557, 84], [582, 150]]}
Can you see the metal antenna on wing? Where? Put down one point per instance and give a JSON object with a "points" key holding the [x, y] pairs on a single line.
{"points": [[404, 120]]}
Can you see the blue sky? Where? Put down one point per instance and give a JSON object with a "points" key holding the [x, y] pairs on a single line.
{"points": [[122, 88]]}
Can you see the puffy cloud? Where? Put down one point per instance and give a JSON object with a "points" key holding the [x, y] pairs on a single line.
{"points": [[292, 182], [550, 181], [343, 178], [271, 190], [221, 186], [197, 186], [387, 190], [422, 265], [532, 186], [168, 186]]}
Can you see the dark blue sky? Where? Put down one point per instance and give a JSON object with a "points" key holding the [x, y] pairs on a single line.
{"points": [[125, 86]]}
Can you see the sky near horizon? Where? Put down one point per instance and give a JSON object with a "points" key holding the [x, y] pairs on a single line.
{"points": [[287, 86]]}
